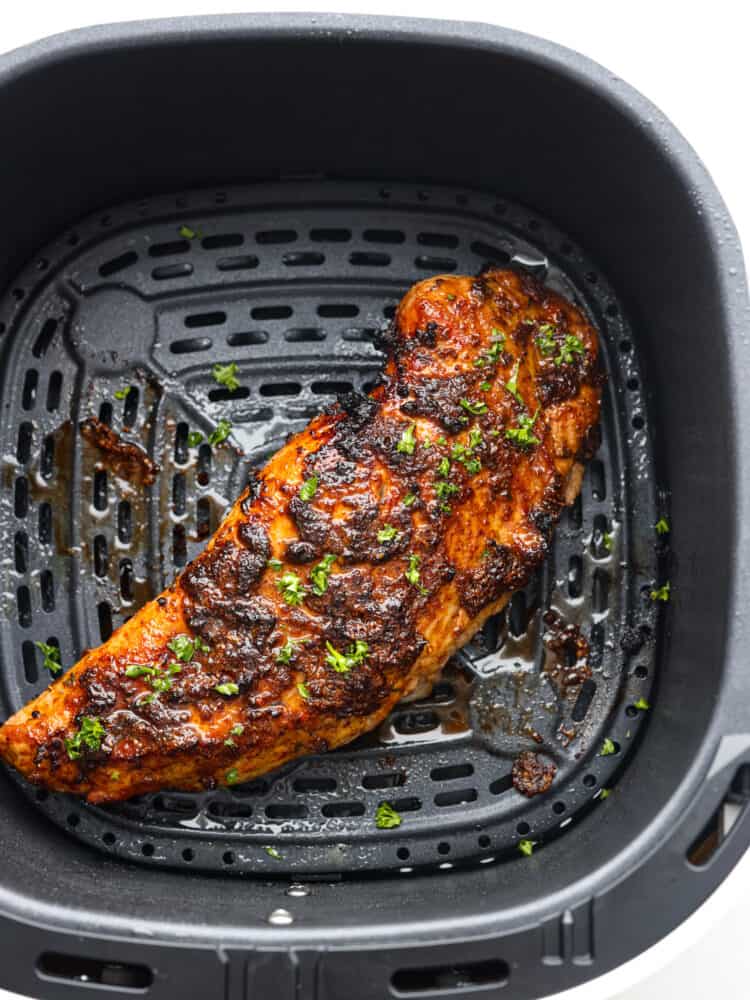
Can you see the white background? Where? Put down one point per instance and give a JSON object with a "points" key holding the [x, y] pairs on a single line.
{"points": [[692, 61]]}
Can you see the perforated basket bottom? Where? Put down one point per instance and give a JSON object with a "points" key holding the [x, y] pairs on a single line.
{"points": [[291, 281]]}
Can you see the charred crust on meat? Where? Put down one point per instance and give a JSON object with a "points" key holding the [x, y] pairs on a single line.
{"points": [[301, 552], [502, 569], [439, 399], [128, 460], [531, 774]]}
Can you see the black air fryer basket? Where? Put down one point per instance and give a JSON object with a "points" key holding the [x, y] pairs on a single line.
{"points": [[263, 190]]}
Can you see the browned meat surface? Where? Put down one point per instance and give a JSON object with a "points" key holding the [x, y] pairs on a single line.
{"points": [[125, 458], [531, 774], [370, 547]]}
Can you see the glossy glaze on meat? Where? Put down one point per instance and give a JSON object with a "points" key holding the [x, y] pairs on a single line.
{"points": [[370, 548]]}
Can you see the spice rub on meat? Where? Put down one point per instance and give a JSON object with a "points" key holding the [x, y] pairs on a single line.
{"points": [[370, 548]]}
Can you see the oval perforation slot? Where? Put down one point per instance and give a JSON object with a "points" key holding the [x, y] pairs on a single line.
{"points": [[584, 700], [179, 805], [455, 797], [303, 258], [331, 388], [269, 237], [100, 489], [575, 514], [231, 809], [393, 236], [54, 391], [203, 525], [28, 393], [369, 259], [47, 590], [600, 591], [427, 262], [490, 253], [117, 264], [23, 442], [21, 552], [223, 394], [28, 655], [171, 271], [575, 576], [500, 785], [596, 646], [191, 345], [222, 240], [130, 407], [392, 779], [127, 580], [44, 525], [77, 970], [101, 556], [330, 235], [169, 249], [104, 615], [280, 389], [304, 335], [389, 311], [271, 312], [23, 604], [179, 545], [598, 480], [21, 497], [105, 413], [598, 547], [406, 805], [286, 810], [124, 522], [247, 338], [42, 342], [445, 241], [181, 451], [342, 809], [314, 784], [452, 771], [338, 310], [518, 615], [242, 262], [205, 461], [413, 723], [197, 320], [362, 334]]}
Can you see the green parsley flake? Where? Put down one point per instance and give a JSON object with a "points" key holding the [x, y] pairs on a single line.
{"points": [[409, 499], [441, 441], [475, 408], [304, 690], [232, 776], [226, 375], [492, 356], [291, 588], [342, 663], [387, 533], [608, 748], [444, 490], [485, 386], [412, 574], [237, 730], [570, 346], [473, 466], [274, 563], [427, 443], [407, 443], [662, 526], [475, 438], [187, 233], [123, 393], [185, 646], [444, 466], [308, 489], [88, 737], [194, 438], [320, 573], [386, 817], [287, 652], [220, 433], [227, 689], [607, 541], [272, 853], [522, 435], [526, 847], [545, 340], [604, 794], [140, 670], [661, 593], [51, 656], [512, 384], [642, 704]]}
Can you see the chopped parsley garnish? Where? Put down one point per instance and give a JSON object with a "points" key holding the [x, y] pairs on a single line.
{"points": [[570, 346], [412, 573], [526, 847], [604, 793], [485, 386], [512, 384], [642, 704], [220, 433], [407, 442], [226, 375], [308, 489], [409, 499], [444, 466], [387, 533], [227, 689], [492, 356], [274, 563], [342, 663], [187, 233], [185, 647], [386, 817], [122, 393], [523, 435], [427, 443], [608, 748], [304, 690], [607, 540], [194, 438], [291, 588], [236, 730], [474, 407], [287, 652], [473, 466], [662, 526], [475, 438], [89, 737], [232, 776], [443, 490], [51, 656], [545, 340], [441, 441], [320, 573], [272, 853], [140, 670], [661, 593]]}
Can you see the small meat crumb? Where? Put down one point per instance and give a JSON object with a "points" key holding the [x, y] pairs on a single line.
{"points": [[531, 774]]}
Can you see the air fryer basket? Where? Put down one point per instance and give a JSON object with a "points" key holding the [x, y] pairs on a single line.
{"points": [[320, 166]]}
